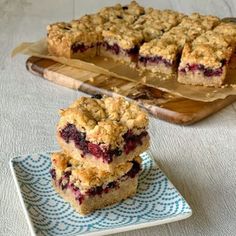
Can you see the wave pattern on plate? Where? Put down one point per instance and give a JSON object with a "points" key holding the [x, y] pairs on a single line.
{"points": [[156, 199]]}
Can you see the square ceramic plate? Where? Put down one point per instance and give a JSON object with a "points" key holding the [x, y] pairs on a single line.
{"points": [[157, 202]]}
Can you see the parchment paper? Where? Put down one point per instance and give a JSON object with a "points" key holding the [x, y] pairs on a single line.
{"points": [[108, 67]]}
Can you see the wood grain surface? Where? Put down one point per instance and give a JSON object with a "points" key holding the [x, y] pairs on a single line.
{"points": [[199, 159], [160, 104]]}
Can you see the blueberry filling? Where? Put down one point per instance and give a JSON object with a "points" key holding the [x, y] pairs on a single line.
{"points": [[70, 133], [95, 190], [133, 51], [156, 60], [80, 47], [115, 48], [53, 173], [134, 170], [208, 72], [132, 141]]}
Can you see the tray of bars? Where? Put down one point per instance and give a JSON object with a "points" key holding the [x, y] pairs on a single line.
{"points": [[190, 56]]}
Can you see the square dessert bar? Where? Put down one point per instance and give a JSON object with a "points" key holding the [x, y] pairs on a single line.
{"points": [[155, 23], [205, 61], [121, 42], [88, 189], [103, 132], [77, 38], [163, 55]]}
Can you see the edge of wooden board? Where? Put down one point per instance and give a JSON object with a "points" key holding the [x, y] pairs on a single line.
{"points": [[38, 66]]}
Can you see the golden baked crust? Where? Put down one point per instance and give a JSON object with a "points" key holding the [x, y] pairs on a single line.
{"points": [[87, 29], [173, 41], [227, 29], [104, 120], [87, 177], [156, 22]]}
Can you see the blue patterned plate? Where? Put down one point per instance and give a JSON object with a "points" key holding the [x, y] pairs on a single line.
{"points": [[157, 202]]}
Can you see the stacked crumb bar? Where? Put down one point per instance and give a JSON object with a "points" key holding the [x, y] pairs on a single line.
{"points": [[101, 140], [162, 41]]}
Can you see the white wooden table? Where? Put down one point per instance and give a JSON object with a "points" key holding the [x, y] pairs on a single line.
{"points": [[200, 160]]}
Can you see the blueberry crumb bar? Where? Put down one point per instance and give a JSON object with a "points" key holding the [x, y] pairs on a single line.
{"points": [[103, 132], [121, 42], [205, 61], [89, 189], [78, 38], [163, 54]]}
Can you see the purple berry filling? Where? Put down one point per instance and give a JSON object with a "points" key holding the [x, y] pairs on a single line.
{"points": [[134, 170], [208, 72], [53, 173], [156, 60], [80, 47], [78, 195], [132, 141], [115, 49], [63, 183], [70, 133]]}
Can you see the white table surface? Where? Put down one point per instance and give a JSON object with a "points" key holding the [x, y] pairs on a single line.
{"points": [[200, 159]]}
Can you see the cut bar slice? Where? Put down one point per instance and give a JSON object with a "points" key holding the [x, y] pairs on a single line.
{"points": [[162, 55], [121, 42], [82, 38], [103, 132], [205, 60], [78, 38], [88, 189]]}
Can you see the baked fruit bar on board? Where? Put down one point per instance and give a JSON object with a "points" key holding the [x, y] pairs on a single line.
{"points": [[78, 38], [163, 54], [83, 37], [205, 61]]}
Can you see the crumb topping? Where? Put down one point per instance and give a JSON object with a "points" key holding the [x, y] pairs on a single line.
{"points": [[228, 29], [156, 22], [86, 30], [173, 41], [123, 35], [104, 120], [212, 48]]}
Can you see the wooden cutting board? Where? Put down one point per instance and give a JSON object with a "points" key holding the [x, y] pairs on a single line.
{"points": [[160, 104]]}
